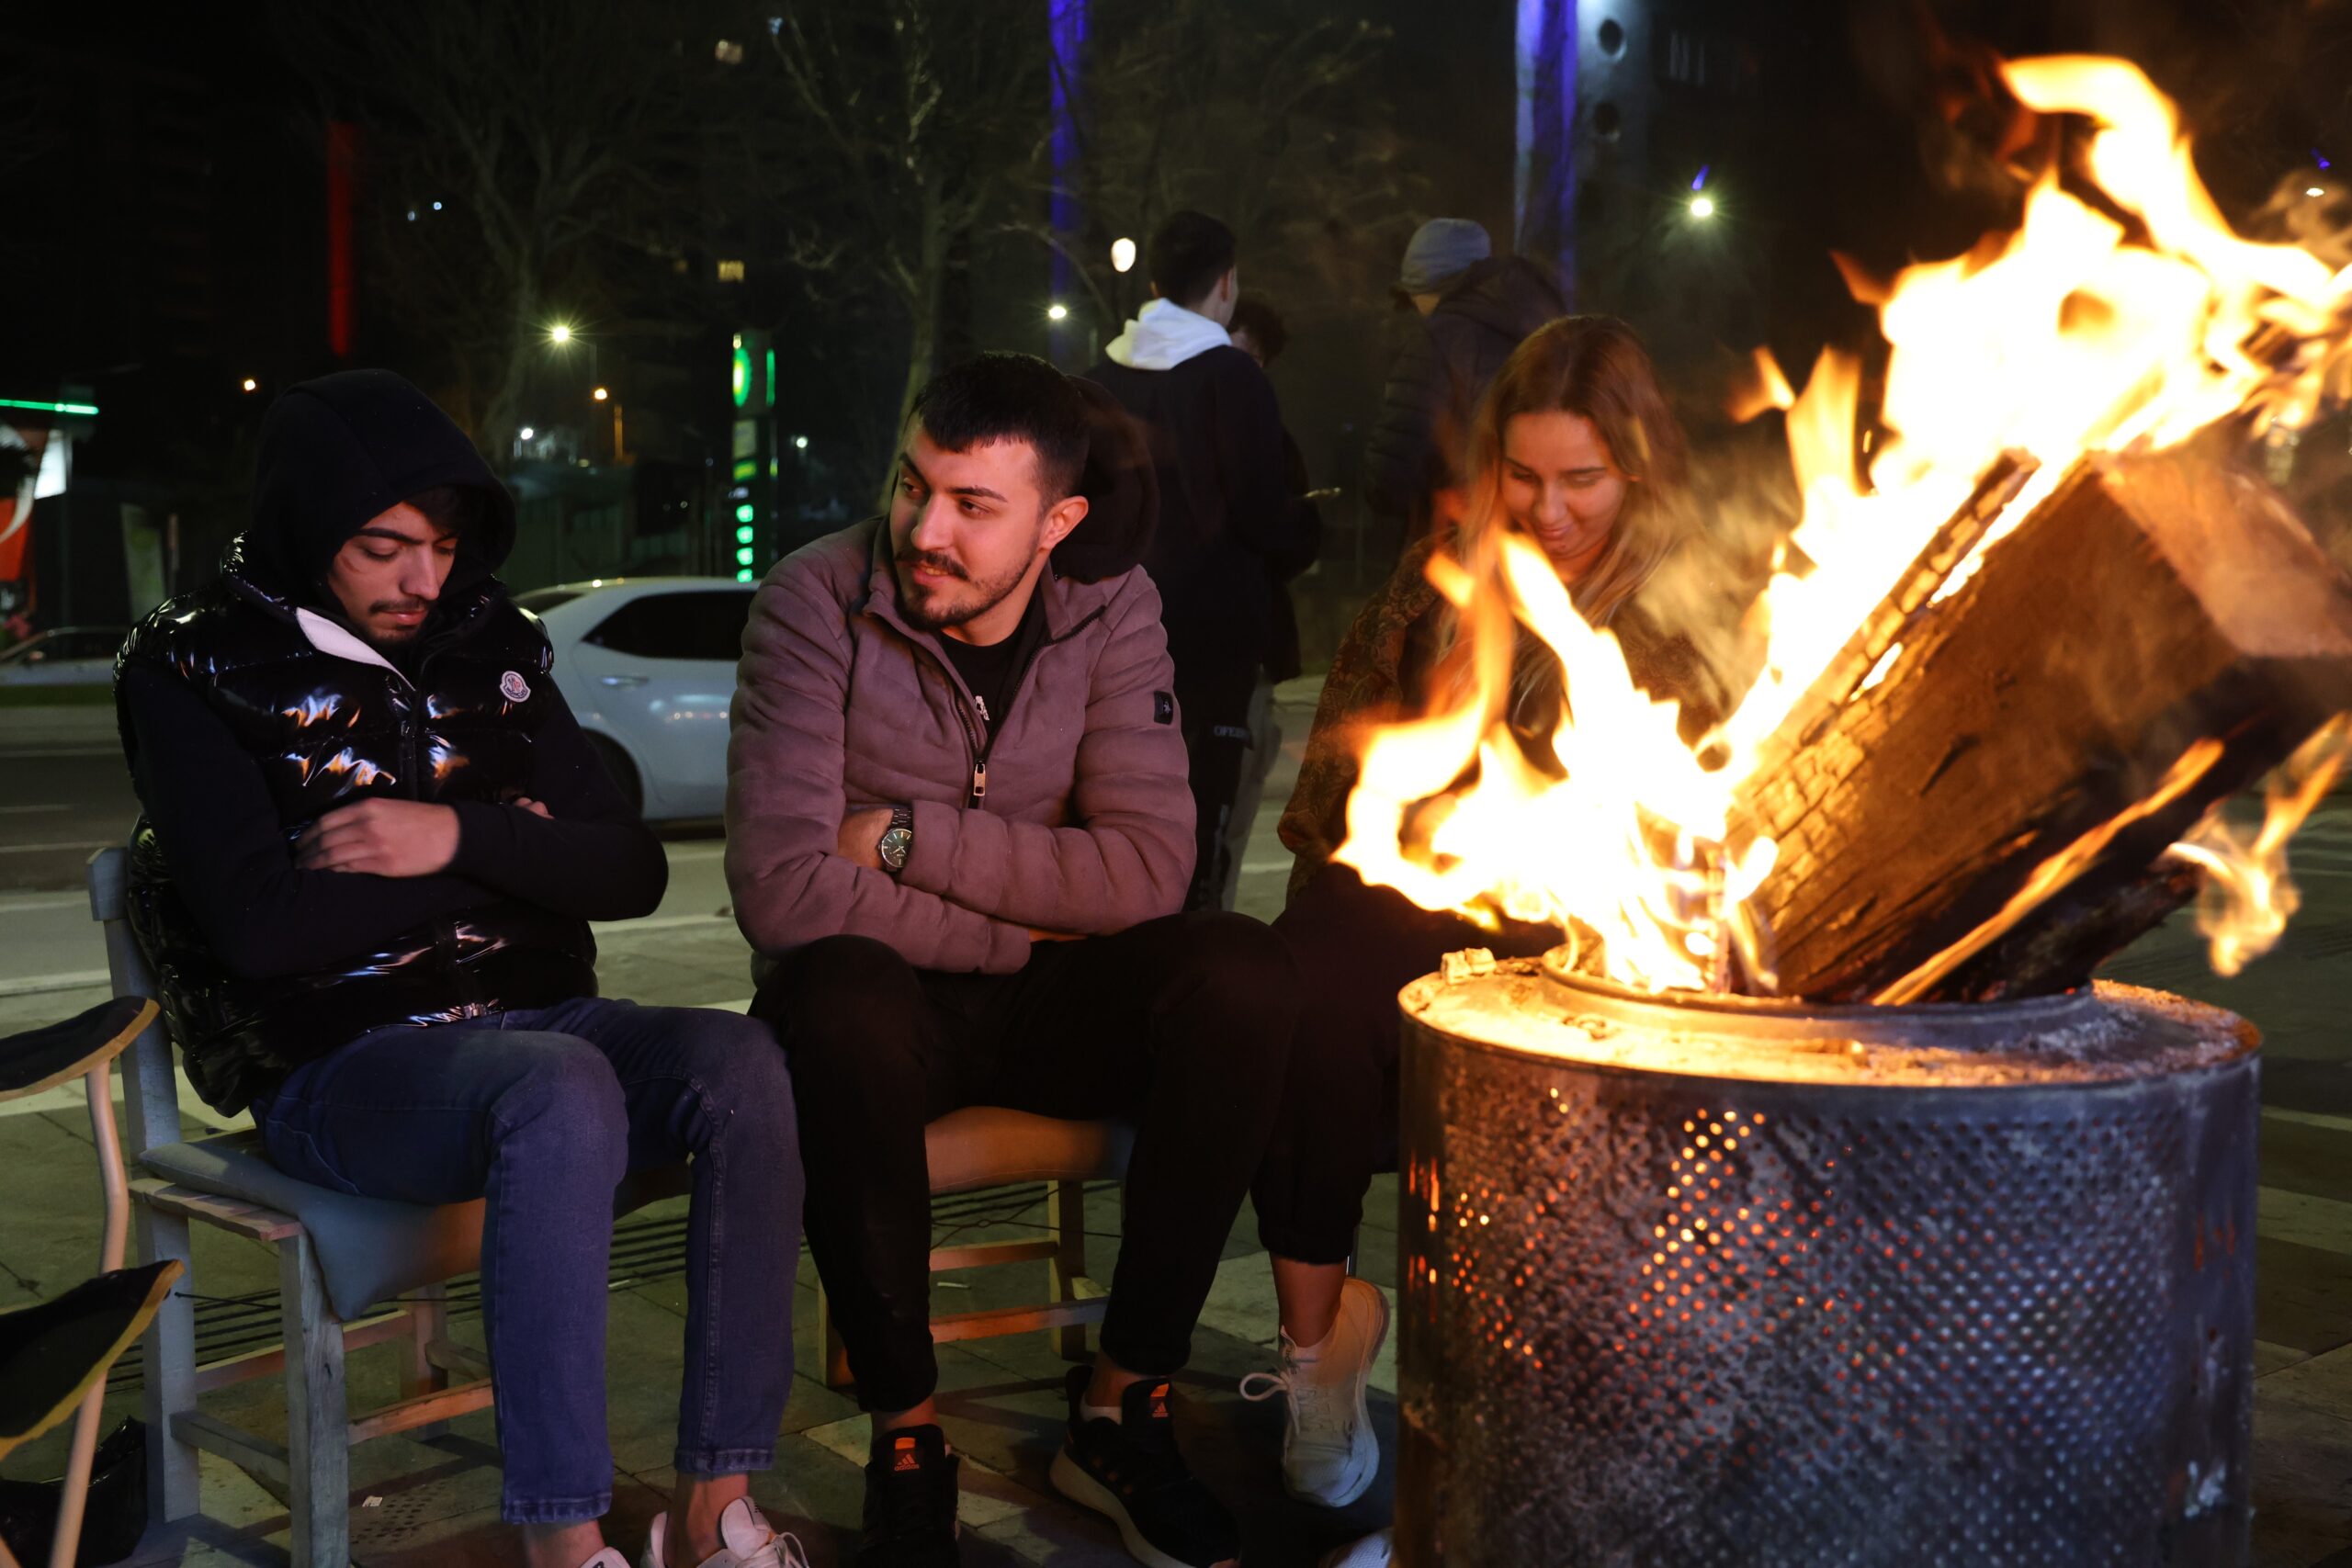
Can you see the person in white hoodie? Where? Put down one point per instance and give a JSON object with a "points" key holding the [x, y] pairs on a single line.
{"points": [[1227, 522]]}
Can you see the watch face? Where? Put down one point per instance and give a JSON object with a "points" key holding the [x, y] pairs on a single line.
{"points": [[894, 847]]}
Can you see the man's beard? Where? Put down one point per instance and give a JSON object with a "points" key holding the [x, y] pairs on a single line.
{"points": [[399, 639], [932, 609]]}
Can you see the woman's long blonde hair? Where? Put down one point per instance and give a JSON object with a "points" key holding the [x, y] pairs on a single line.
{"points": [[1595, 367]]}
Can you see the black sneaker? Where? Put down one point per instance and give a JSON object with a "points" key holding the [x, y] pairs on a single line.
{"points": [[909, 1501], [1129, 1471]]}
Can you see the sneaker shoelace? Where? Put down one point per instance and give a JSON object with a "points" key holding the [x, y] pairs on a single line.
{"points": [[1315, 1408]]}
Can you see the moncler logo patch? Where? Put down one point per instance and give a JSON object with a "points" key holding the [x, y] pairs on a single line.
{"points": [[514, 688]]}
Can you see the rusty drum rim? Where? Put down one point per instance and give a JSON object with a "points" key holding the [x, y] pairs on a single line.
{"points": [[1956, 1025]]}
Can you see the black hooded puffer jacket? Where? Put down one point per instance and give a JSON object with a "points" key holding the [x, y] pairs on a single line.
{"points": [[327, 728]]}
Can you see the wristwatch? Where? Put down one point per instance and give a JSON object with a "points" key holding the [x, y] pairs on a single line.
{"points": [[898, 839]]}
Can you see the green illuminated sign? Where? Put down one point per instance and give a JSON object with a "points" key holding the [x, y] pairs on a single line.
{"points": [[746, 512], [744, 534], [749, 469], [743, 556], [743, 375], [48, 408], [770, 397], [743, 574]]}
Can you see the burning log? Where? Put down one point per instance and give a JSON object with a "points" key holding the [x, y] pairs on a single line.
{"points": [[2159, 633]]}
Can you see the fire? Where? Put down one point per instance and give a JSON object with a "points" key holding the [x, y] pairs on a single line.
{"points": [[2247, 899], [2074, 333]]}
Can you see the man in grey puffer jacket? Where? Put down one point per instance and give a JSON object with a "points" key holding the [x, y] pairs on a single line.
{"points": [[958, 835]]}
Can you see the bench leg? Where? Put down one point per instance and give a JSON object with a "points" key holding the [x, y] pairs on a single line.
{"points": [[167, 1362], [1066, 1225], [428, 1319], [318, 1433]]}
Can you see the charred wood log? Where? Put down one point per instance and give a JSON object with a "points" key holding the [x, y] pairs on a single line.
{"points": [[2160, 633]]}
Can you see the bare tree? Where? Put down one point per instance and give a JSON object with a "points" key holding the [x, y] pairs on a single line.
{"points": [[908, 127], [519, 144], [1270, 126]]}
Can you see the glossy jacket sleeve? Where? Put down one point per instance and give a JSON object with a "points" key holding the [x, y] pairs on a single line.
{"points": [[591, 857]]}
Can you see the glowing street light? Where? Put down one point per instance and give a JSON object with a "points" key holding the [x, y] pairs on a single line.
{"points": [[1703, 207], [600, 394], [251, 385], [1058, 313], [559, 333], [1123, 254], [525, 433], [800, 444]]}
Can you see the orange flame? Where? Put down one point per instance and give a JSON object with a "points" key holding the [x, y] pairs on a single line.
{"points": [[2247, 899], [2071, 334]]}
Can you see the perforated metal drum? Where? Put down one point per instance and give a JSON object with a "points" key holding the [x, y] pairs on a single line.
{"points": [[1741, 1284]]}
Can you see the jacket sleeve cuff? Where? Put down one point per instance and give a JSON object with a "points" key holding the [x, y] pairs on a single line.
{"points": [[931, 864], [484, 836]]}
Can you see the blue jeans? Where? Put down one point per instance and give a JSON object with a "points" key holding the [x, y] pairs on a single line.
{"points": [[542, 1112]]}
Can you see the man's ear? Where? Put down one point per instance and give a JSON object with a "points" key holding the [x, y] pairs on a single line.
{"points": [[1060, 518]]}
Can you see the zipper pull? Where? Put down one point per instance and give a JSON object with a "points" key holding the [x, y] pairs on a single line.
{"points": [[980, 782], [981, 702]]}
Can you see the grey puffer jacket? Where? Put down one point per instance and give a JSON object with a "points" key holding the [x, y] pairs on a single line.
{"points": [[1080, 822]]}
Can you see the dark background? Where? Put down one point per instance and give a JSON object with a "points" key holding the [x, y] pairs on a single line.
{"points": [[166, 181]]}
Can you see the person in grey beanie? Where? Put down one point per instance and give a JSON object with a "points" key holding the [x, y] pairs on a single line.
{"points": [[1475, 308]]}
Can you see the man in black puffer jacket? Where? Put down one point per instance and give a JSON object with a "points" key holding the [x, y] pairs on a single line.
{"points": [[373, 838], [1475, 309]]}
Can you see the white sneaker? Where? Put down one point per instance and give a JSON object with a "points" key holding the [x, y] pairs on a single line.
{"points": [[1372, 1551], [608, 1558], [744, 1542], [1330, 1454]]}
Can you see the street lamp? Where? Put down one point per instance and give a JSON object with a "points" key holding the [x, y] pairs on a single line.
{"points": [[1703, 207], [1058, 313], [559, 333], [600, 394], [1123, 254], [251, 384], [800, 444], [525, 433]]}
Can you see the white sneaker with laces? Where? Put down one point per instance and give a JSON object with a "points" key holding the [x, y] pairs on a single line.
{"points": [[1372, 1551], [744, 1542], [1330, 1454]]}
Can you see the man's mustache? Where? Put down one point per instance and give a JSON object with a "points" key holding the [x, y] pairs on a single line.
{"points": [[400, 606], [931, 561]]}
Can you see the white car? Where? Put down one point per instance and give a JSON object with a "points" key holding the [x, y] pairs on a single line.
{"points": [[64, 655], [648, 664]]}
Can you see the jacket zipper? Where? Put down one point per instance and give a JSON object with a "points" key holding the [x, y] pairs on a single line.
{"points": [[977, 743]]}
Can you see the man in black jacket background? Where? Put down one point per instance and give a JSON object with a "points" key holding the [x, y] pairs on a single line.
{"points": [[1475, 309], [1228, 523], [373, 837]]}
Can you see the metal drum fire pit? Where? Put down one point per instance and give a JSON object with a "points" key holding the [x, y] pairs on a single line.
{"points": [[1718, 1282]]}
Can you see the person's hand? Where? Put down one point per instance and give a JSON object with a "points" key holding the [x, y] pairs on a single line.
{"points": [[1038, 933], [861, 836], [382, 838], [537, 808]]}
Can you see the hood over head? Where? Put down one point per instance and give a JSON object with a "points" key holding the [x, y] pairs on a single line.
{"points": [[342, 448], [1122, 492]]}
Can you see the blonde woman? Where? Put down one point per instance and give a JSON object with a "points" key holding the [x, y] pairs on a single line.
{"points": [[1574, 448]]}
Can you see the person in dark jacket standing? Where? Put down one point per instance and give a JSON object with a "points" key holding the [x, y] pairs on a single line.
{"points": [[372, 838], [1228, 519], [1475, 309]]}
